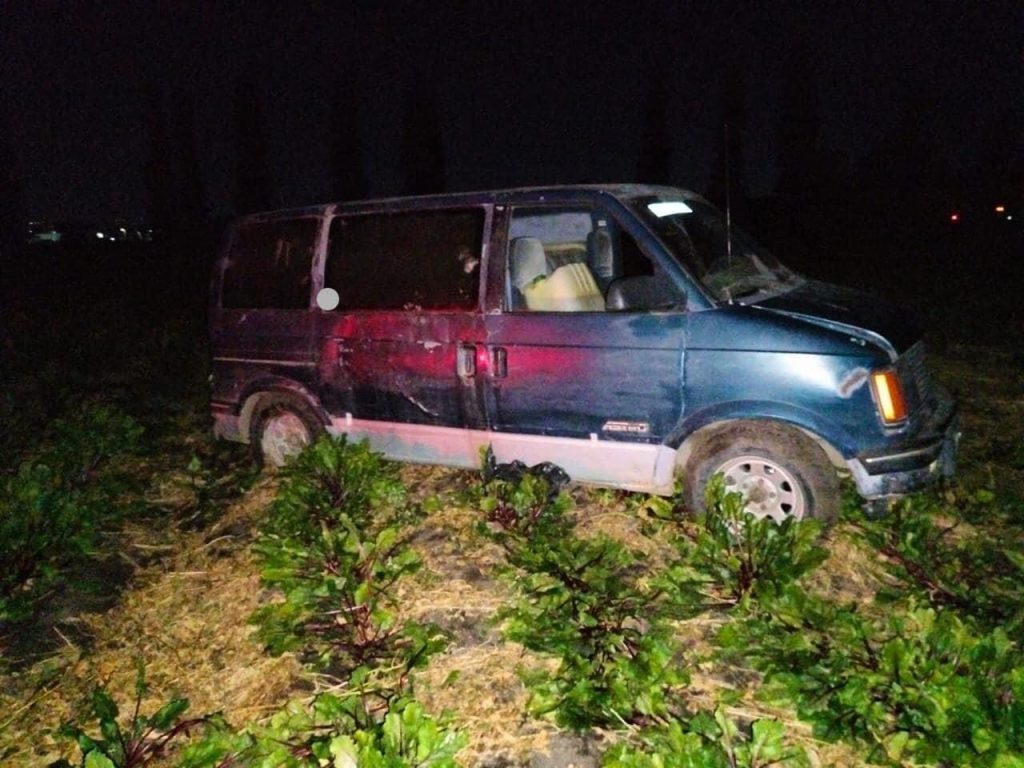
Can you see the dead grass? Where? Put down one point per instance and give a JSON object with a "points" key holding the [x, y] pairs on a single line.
{"points": [[599, 512], [850, 574], [186, 618], [479, 687], [989, 385]]}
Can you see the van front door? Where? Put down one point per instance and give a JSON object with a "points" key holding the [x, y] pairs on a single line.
{"points": [[596, 390], [398, 357]]}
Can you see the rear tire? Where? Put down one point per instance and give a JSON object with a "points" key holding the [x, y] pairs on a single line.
{"points": [[780, 471], [281, 428]]}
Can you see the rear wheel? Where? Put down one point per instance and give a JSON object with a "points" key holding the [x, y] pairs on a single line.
{"points": [[281, 429], [780, 471]]}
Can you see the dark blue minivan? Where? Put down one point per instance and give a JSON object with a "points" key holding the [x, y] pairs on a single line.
{"points": [[622, 332]]}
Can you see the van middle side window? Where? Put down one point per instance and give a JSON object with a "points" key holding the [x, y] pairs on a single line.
{"points": [[421, 260], [268, 265]]}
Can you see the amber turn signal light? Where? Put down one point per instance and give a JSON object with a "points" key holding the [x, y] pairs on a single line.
{"points": [[889, 396]]}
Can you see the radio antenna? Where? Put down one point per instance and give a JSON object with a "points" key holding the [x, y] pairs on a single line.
{"points": [[728, 199]]}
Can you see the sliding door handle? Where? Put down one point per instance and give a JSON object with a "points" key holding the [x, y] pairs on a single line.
{"points": [[499, 362], [341, 352], [465, 361]]}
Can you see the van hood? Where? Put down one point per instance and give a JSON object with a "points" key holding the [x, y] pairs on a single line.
{"points": [[860, 314]]}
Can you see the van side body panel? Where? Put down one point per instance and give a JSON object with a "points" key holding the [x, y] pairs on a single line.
{"points": [[399, 367], [744, 363], [613, 376]]}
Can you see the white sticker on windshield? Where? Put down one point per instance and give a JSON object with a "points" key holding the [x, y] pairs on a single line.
{"points": [[668, 209]]}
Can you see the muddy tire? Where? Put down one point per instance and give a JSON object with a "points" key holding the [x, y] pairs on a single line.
{"points": [[781, 471], [281, 428]]}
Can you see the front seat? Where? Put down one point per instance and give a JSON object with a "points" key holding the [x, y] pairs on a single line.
{"points": [[601, 257], [570, 288], [528, 265]]}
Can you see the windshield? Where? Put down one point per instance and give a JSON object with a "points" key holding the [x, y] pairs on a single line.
{"points": [[695, 233]]}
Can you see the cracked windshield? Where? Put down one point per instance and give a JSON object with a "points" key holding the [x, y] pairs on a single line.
{"points": [[727, 261]]}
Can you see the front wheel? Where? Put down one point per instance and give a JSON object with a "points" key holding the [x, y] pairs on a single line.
{"points": [[781, 473], [281, 429]]}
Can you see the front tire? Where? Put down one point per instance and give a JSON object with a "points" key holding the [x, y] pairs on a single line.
{"points": [[281, 429], [781, 472]]}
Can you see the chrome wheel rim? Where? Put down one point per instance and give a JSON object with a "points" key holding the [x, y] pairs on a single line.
{"points": [[769, 489], [284, 436]]}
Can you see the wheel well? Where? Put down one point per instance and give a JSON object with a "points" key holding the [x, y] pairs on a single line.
{"points": [[255, 402], [691, 442]]}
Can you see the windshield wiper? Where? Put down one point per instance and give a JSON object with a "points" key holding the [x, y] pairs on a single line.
{"points": [[748, 292]]}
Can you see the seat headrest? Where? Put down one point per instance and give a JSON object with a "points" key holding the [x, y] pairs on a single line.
{"points": [[599, 240], [528, 261], [600, 254]]}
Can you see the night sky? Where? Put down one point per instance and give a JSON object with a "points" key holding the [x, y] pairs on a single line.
{"points": [[525, 92]]}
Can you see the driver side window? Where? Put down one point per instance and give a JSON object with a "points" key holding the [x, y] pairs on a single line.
{"points": [[574, 259]]}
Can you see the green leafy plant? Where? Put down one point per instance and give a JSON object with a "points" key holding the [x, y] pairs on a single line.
{"points": [[333, 730], [212, 479], [915, 685], [334, 478], [743, 555], [334, 545], [582, 600], [589, 603], [144, 739], [708, 741], [978, 573], [42, 525], [585, 602], [524, 509], [82, 442], [52, 505]]}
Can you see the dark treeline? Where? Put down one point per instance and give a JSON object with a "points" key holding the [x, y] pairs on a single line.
{"points": [[899, 221]]}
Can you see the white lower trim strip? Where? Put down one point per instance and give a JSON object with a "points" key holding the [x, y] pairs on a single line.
{"points": [[630, 466]]}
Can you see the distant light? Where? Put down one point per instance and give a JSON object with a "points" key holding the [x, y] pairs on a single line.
{"points": [[1009, 218], [662, 210], [1000, 209], [124, 231], [100, 235], [954, 217]]}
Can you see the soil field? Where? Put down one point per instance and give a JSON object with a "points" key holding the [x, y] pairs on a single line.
{"points": [[172, 585]]}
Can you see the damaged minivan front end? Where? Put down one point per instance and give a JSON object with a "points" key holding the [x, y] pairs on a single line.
{"points": [[915, 435], [845, 367]]}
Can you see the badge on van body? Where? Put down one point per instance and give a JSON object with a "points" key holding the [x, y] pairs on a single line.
{"points": [[627, 427]]}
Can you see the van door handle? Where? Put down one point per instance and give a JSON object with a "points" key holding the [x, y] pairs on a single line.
{"points": [[499, 362], [465, 361]]}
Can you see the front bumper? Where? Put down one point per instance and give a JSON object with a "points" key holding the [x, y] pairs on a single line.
{"points": [[915, 463]]}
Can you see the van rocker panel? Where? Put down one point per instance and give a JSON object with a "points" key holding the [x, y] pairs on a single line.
{"points": [[630, 466]]}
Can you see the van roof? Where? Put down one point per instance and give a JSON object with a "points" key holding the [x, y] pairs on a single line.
{"points": [[507, 196]]}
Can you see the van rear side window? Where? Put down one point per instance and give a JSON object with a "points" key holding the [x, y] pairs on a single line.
{"points": [[268, 266], [422, 260]]}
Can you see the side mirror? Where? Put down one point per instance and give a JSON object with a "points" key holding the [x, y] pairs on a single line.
{"points": [[646, 292]]}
